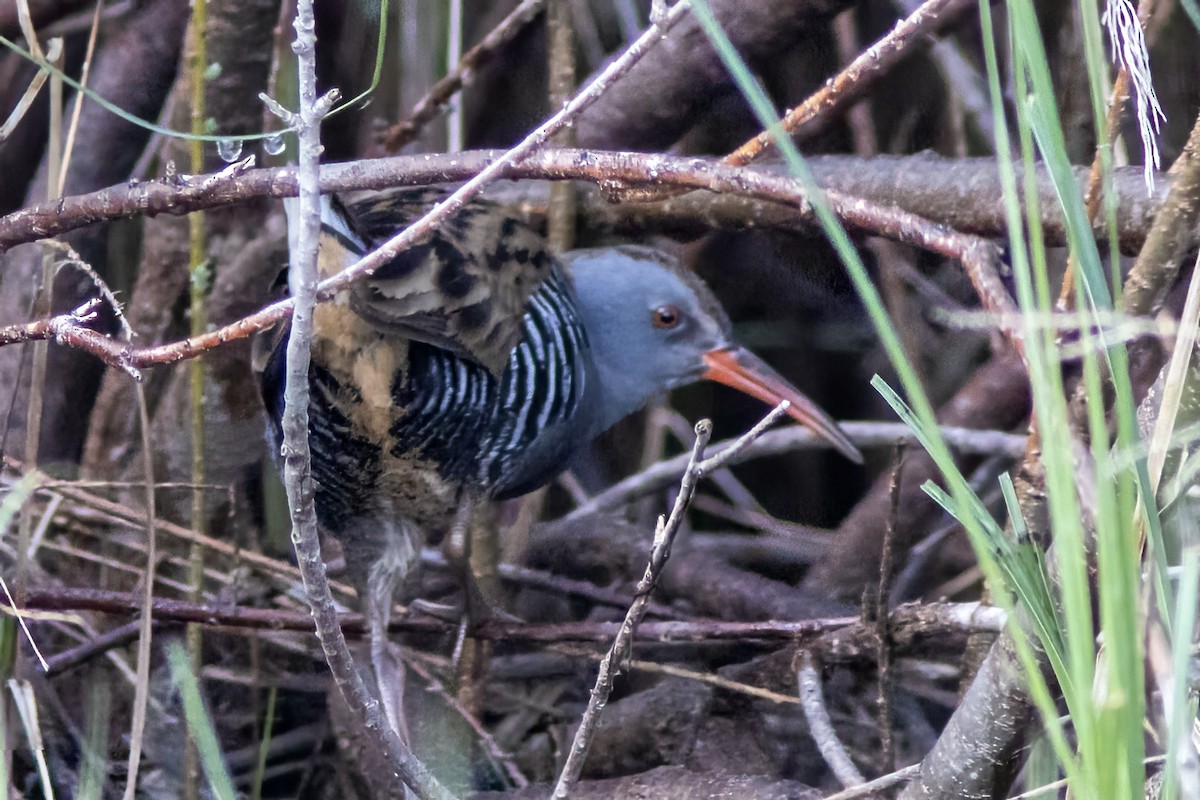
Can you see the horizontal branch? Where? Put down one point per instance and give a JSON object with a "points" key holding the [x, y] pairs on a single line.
{"points": [[979, 257], [908, 622], [963, 194]]}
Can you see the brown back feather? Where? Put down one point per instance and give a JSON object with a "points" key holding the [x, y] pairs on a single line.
{"points": [[465, 289]]}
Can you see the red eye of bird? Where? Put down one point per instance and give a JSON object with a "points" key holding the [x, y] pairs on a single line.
{"points": [[666, 317]]}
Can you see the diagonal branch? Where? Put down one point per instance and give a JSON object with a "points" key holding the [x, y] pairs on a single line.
{"points": [[860, 74], [434, 103]]}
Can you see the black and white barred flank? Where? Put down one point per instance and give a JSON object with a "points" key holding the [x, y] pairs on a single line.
{"points": [[479, 428]]}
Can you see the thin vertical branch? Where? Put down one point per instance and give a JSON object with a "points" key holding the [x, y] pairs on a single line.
{"points": [[41, 308], [883, 635], [1093, 194], [610, 666], [77, 107], [405, 769], [198, 322], [560, 221], [435, 101], [454, 118]]}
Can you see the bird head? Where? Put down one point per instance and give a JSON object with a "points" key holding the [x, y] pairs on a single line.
{"points": [[654, 326]]}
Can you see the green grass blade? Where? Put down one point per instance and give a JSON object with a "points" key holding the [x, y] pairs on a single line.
{"points": [[199, 723]]}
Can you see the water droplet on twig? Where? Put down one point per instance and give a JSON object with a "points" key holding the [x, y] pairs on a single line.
{"points": [[229, 149]]}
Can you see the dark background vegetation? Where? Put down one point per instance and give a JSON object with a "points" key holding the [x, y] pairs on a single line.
{"points": [[785, 538]]}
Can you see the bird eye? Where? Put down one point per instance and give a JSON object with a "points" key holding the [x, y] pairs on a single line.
{"points": [[666, 317]]}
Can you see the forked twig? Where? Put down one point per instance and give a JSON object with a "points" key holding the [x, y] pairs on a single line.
{"points": [[664, 537]]}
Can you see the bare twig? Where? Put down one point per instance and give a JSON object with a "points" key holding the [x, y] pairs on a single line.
{"points": [[879, 610], [42, 303], [560, 223], [1093, 195], [115, 512], [664, 537], [404, 768], [880, 784], [958, 193], [979, 257], [841, 90], [67, 329], [864, 434], [73, 126], [1158, 262], [610, 666], [849, 84], [966, 87], [435, 101], [850, 639], [145, 607], [109, 640], [548, 581], [820, 726]]}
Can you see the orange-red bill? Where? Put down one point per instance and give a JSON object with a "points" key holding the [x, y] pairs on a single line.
{"points": [[740, 369]]}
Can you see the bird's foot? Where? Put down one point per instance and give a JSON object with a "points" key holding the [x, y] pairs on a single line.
{"points": [[445, 612], [475, 610], [391, 569], [387, 666]]}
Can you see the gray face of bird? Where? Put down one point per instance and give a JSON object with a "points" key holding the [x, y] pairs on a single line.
{"points": [[654, 326], [648, 321]]}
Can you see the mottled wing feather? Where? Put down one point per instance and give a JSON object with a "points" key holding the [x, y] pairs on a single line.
{"points": [[465, 289]]}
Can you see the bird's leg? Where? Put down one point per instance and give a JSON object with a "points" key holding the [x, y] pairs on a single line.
{"points": [[471, 656], [459, 545], [477, 603], [386, 574], [456, 549], [458, 540]]}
